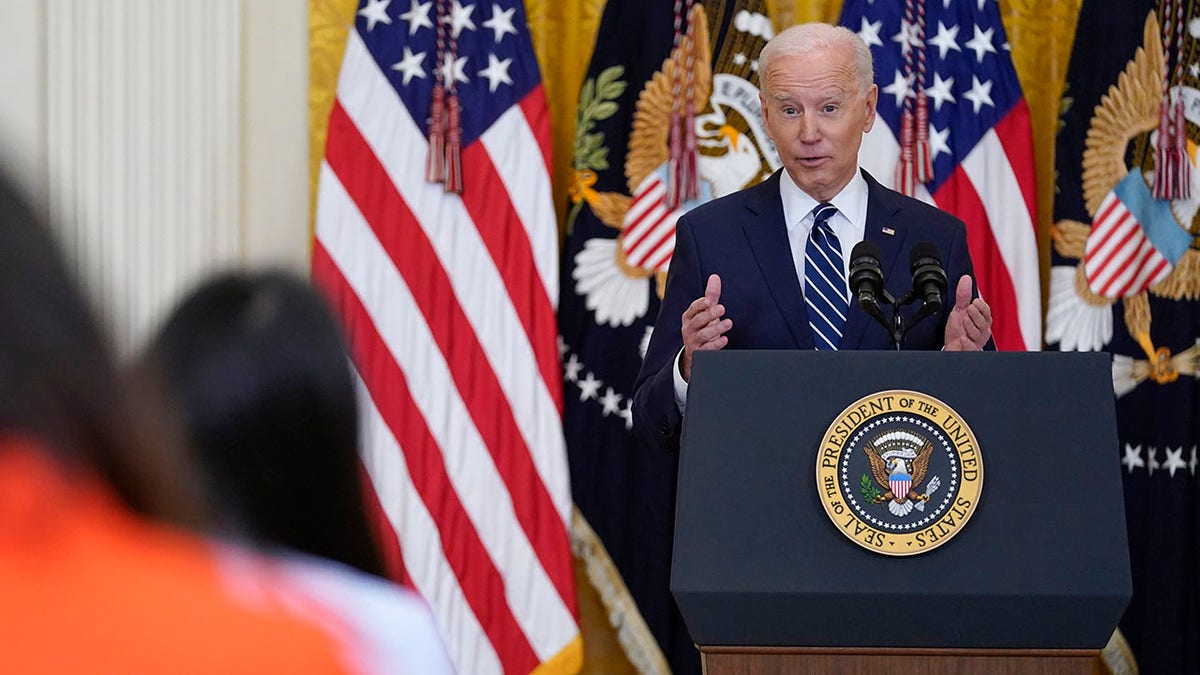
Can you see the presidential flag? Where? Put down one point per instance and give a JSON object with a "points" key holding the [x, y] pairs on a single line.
{"points": [[953, 130], [436, 240], [668, 117], [1125, 279]]}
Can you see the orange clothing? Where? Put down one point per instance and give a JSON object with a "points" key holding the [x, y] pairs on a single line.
{"points": [[88, 587]]}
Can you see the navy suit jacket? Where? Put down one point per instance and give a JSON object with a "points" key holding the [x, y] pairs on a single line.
{"points": [[742, 238]]}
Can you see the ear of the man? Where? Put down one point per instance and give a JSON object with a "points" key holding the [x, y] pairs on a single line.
{"points": [[766, 110], [872, 98]]}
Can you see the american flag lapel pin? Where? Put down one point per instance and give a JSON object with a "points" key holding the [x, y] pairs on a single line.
{"points": [[889, 231]]}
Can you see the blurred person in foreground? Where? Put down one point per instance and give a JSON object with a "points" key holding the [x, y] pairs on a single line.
{"points": [[256, 368], [89, 582]]}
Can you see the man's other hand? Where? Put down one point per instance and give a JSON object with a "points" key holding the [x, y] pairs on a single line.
{"points": [[703, 328], [969, 326]]}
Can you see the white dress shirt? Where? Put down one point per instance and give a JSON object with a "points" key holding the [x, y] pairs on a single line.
{"points": [[849, 224]]}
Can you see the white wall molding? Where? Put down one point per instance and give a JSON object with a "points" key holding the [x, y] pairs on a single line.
{"points": [[166, 138], [143, 148]]}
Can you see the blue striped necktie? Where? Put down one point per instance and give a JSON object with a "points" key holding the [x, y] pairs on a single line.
{"points": [[824, 281]]}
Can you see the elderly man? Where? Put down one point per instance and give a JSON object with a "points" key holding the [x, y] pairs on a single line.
{"points": [[766, 267]]}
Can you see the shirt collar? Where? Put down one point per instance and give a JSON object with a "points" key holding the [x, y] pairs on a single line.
{"points": [[851, 202]]}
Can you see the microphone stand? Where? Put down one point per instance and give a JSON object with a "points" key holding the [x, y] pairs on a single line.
{"points": [[866, 281], [896, 326]]}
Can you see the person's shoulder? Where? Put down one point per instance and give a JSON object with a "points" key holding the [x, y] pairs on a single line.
{"points": [[912, 209], [182, 609], [391, 626], [718, 212]]}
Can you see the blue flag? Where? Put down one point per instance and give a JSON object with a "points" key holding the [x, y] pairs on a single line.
{"points": [[621, 237], [1125, 279]]}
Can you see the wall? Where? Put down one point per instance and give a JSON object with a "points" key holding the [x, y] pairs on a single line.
{"points": [[165, 139]]}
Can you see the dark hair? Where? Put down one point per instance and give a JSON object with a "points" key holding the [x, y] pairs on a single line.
{"points": [[257, 366], [59, 385]]}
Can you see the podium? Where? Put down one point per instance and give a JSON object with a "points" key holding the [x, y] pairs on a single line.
{"points": [[766, 581]]}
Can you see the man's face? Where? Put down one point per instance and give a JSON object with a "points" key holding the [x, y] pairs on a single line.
{"points": [[816, 116]]}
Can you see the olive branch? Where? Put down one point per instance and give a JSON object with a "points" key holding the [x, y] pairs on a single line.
{"points": [[596, 103], [867, 486]]}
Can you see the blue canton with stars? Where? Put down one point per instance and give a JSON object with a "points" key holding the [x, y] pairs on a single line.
{"points": [[495, 66], [970, 81]]}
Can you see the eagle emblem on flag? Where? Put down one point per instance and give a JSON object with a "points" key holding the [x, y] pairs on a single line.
{"points": [[899, 462], [1141, 241], [729, 146]]}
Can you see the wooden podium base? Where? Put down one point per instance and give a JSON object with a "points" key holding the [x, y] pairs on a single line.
{"points": [[874, 661]]}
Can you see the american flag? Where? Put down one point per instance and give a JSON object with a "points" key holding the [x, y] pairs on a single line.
{"points": [[979, 140], [449, 307]]}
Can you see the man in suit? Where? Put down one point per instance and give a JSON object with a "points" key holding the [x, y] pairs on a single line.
{"points": [[766, 267]]}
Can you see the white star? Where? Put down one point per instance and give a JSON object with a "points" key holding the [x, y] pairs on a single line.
{"points": [[1194, 69], [417, 16], [899, 88], [981, 4], [460, 18], [1174, 461], [980, 94], [562, 347], [460, 65], [938, 142], [945, 40], [754, 65], [870, 32], [571, 369], [1152, 457], [907, 37], [939, 91], [1192, 463], [496, 72], [739, 59], [501, 22], [374, 12], [1133, 458], [588, 387], [946, 4], [410, 65], [982, 43], [611, 402], [626, 413]]}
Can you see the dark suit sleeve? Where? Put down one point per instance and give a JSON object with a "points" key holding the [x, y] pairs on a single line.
{"points": [[958, 263], [656, 418]]}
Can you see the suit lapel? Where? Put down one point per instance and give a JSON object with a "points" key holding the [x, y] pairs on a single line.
{"points": [[886, 228], [767, 234]]}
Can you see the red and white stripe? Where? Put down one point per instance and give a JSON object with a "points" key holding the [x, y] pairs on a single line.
{"points": [[448, 303], [994, 193], [1119, 259], [648, 239], [900, 486]]}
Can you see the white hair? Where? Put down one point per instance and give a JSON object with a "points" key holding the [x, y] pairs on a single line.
{"points": [[810, 37]]}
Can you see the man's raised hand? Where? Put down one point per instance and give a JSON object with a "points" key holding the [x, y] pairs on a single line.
{"points": [[969, 326], [702, 325]]}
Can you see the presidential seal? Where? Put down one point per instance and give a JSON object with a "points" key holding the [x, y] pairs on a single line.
{"points": [[899, 472]]}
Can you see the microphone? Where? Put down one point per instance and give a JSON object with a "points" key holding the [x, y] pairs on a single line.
{"points": [[866, 280], [928, 277]]}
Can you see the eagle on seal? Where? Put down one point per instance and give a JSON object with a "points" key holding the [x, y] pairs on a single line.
{"points": [[899, 461]]}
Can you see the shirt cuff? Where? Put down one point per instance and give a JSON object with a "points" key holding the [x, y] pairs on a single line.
{"points": [[681, 386]]}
